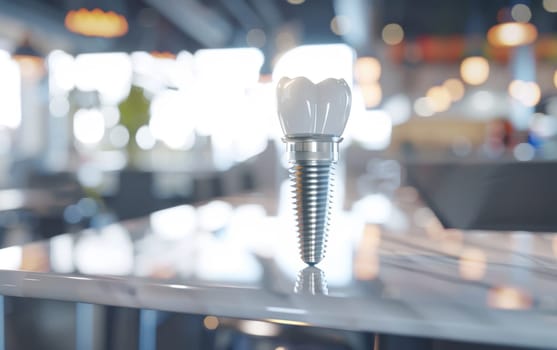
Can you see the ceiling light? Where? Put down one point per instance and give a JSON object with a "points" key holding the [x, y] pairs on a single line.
{"points": [[97, 23], [163, 55], [482, 101], [30, 61]]}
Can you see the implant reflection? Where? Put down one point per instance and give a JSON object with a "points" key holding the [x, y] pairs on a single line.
{"points": [[311, 281]]}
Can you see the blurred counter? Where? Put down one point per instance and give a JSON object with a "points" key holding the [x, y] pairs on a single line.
{"points": [[390, 268]]}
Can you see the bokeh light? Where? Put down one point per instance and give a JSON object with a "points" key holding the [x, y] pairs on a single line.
{"points": [[61, 71], [521, 13], [439, 98], [108, 73], [88, 126], [119, 136], [472, 264], [550, 5], [524, 152], [367, 70], [392, 34], [455, 88], [371, 94], [372, 129], [526, 92], [144, 138], [509, 298], [10, 108], [474, 70], [512, 34], [211, 322], [316, 62], [423, 108], [340, 25], [96, 22], [172, 121]]}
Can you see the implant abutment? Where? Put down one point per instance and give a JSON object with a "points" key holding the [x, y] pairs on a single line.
{"points": [[311, 148]]}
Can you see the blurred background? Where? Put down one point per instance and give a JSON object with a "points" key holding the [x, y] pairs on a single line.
{"points": [[113, 109]]}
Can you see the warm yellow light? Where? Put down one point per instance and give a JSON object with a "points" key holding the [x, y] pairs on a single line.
{"points": [[512, 34], [392, 34], [555, 78], [163, 54], [259, 328], [31, 67], [515, 88], [366, 261], [211, 322], [455, 88], [367, 268], [367, 70], [96, 23], [439, 98], [508, 298], [521, 13], [340, 25], [526, 92], [550, 5], [474, 70], [472, 264], [372, 94]]}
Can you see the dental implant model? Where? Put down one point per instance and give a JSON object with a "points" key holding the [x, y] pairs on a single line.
{"points": [[312, 117], [311, 281]]}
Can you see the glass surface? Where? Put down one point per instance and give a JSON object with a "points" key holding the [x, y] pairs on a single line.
{"points": [[390, 267]]}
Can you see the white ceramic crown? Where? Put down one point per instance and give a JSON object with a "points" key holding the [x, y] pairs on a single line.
{"points": [[305, 108]]}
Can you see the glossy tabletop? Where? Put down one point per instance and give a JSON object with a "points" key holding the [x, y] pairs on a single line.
{"points": [[390, 267]]}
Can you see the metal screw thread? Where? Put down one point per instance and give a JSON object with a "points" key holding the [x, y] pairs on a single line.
{"points": [[311, 280], [312, 189]]}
